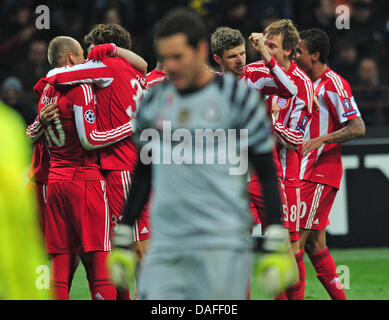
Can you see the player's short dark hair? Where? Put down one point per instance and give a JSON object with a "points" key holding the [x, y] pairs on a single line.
{"points": [[317, 40], [106, 33], [225, 38], [186, 21], [58, 48]]}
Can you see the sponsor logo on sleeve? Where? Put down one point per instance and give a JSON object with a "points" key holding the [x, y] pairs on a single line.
{"points": [[347, 104]]}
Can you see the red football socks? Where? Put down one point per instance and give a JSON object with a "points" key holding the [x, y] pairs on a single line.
{"points": [[98, 276], [296, 292], [63, 267], [325, 268]]}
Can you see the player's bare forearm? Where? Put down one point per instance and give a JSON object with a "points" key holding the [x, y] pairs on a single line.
{"points": [[354, 128], [136, 61]]}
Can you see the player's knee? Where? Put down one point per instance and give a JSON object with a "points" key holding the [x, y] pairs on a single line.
{"points": [[314, 243]]}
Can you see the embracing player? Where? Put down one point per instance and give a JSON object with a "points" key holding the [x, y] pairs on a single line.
{"points": [[337, 120], [119, 88], [78, 221]]}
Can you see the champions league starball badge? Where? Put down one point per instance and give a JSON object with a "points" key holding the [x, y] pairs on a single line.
{"points": [[90, 116]]}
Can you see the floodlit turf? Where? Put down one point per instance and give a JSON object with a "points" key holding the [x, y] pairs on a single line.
{"points": [[368, 277]]}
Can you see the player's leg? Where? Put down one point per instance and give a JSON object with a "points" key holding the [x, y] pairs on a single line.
{"points": [[63, 267], [296, 291], [316, 206], [61, 239], [118, 184], [324, 264], [96, 268], [94, 233]]}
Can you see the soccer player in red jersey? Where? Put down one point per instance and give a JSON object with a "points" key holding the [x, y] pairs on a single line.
{"points": [[119, 88], [229, 51], [266, 76], [337, 120], [78, 219], [290, 118]]}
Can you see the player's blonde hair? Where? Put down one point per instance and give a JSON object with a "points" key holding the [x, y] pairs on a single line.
{"points": [[287, 30]]}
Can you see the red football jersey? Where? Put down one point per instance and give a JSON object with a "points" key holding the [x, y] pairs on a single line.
{"points": [[269, 79], [74, 131], [290, 122], [118, 88], [154, 77], [39, 169], [337, 106]]}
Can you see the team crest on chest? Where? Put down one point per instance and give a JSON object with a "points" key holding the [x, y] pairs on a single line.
{"points": [[282, 103]]}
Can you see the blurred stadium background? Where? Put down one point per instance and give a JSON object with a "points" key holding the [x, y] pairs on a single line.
{"points": [[360, 216]]}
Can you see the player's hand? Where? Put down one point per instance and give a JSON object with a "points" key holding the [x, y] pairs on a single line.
{"points": [[258, 42], [122, 260], [315, 104], [140, 249], [102, 50], [48, 113], [311, 144], [277, 269], [40, 86]]}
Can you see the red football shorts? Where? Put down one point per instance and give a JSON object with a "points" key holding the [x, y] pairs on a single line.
{"points": [[316, 203], [291, 216], [118, 187], [257, 207], [77, 216]]}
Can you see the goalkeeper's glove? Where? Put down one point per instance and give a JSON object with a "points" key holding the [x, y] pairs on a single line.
{"points": [[122, 260], [276, 270], [102, 50]]}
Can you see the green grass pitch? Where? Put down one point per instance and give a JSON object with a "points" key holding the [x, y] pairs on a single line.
{"points": [[368, 271]]}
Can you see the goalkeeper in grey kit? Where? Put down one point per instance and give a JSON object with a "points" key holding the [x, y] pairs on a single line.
{"points": [[201, 246]]}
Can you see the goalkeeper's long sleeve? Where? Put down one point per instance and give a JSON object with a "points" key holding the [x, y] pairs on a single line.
{"points": [[139, 193], [264, 166]]}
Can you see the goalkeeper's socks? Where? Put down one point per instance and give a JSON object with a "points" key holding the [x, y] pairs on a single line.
{"points": [[325, 268]]}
